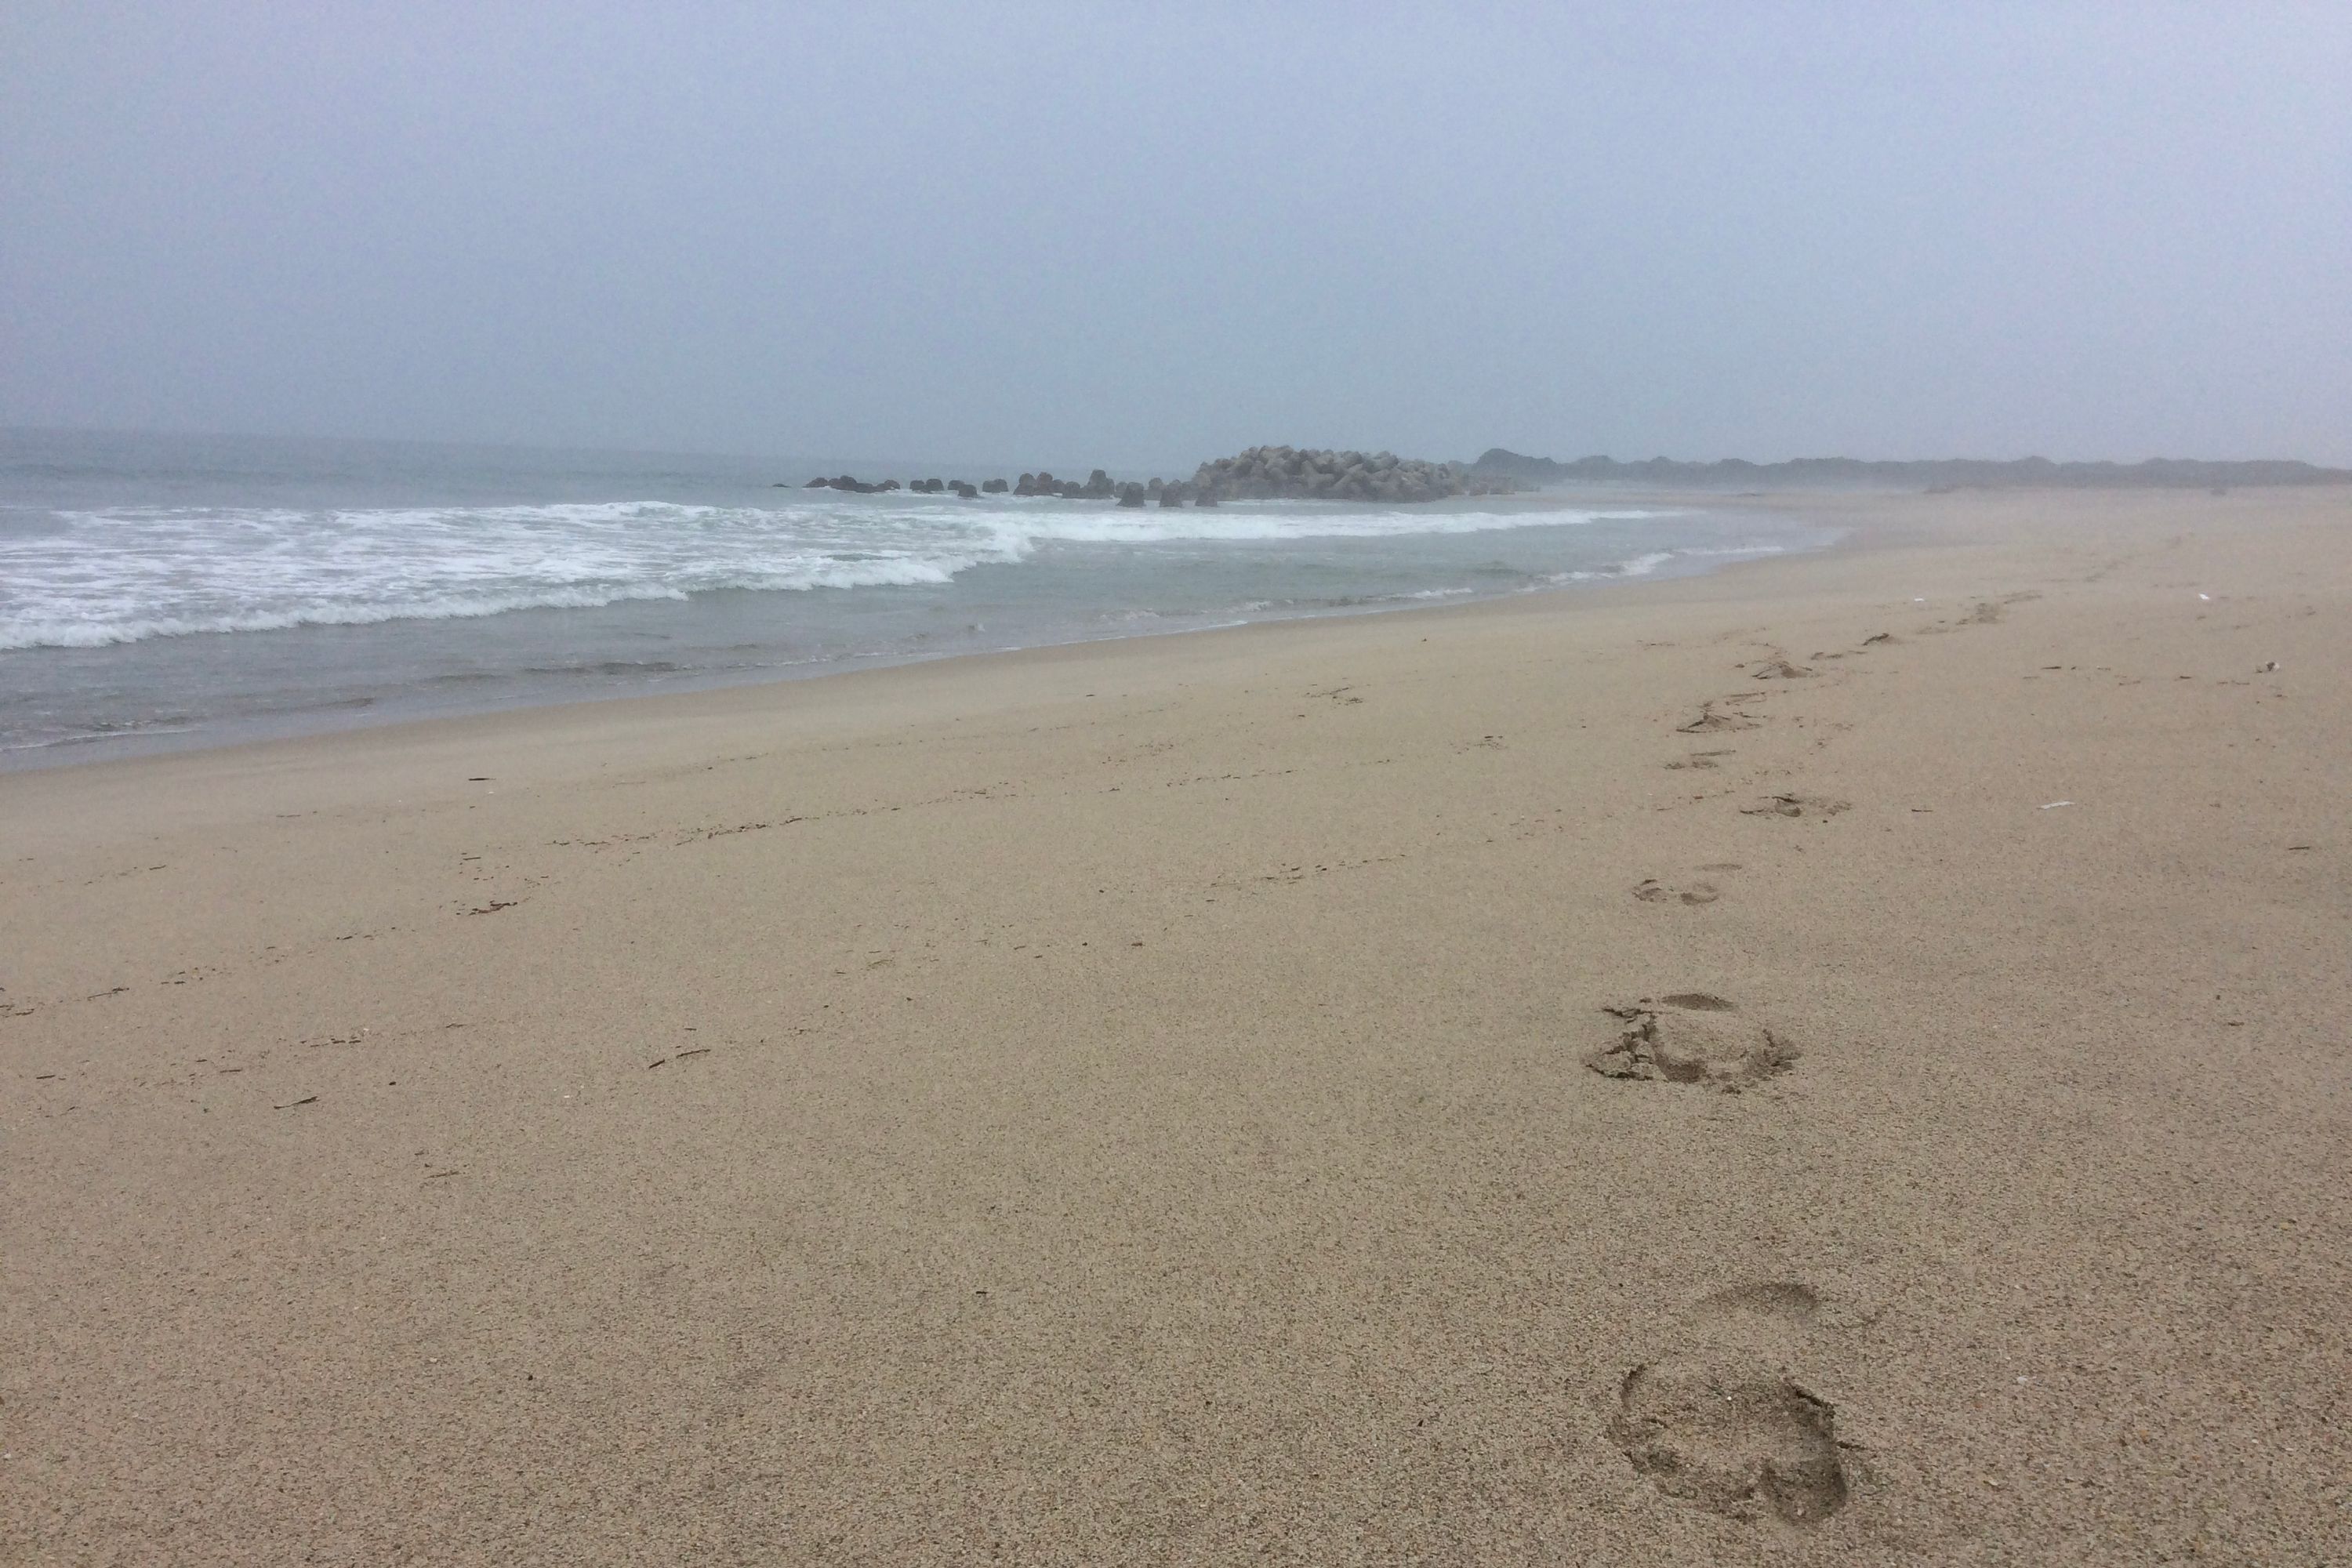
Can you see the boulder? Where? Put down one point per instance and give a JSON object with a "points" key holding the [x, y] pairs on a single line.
{"points": [[1130, 495], [994, 487], [1291, 473]]}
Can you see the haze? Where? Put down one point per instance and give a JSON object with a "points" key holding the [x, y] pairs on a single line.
{"points": [[1080, 234]]}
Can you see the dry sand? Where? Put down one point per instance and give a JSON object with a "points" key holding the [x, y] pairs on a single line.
{"points": [[1131, 1103]]}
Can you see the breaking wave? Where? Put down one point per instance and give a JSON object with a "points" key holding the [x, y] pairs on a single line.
{"points": [[131, 574]]}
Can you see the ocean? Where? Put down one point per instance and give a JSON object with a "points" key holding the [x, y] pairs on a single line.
{"points": [[159, 592]]}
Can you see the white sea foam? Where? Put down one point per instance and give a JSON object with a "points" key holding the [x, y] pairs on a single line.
{"points": [[1643, 564], [134, 574]]}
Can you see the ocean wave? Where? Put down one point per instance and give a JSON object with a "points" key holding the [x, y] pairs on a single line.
{"points": [[127, 627], [132, 575]]}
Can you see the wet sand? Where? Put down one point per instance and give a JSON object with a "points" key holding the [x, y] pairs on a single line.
{"points": [[1840, 1060]]}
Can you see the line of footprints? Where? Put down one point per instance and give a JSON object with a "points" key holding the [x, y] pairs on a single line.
{"points": [[1716, 1421], [1729, 712]]}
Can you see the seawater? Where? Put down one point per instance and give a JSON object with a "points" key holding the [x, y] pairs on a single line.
{"points": [[171, 590]]}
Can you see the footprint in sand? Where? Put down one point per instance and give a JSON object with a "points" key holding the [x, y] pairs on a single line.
{"points": [[1691, 1036], [1796, 805], [1716, 1421], [1715, 716], [1984, 612], [1700, 759], [1781, 670], [1876, 639], [1649, 890]]}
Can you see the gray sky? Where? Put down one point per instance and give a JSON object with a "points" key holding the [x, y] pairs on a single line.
{"points": [[1144, 235]]}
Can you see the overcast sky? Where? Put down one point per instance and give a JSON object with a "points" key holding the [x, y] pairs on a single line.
{"points": [[1086, 234]]}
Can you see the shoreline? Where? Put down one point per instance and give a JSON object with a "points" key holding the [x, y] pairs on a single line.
{"points": [[342, 717], [1159, 1099]]}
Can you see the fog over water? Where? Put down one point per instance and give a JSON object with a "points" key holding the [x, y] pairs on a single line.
{"points": [[1065, 235]]}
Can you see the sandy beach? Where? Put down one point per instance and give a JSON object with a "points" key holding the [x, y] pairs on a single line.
{"points": [[1843, 1060]]}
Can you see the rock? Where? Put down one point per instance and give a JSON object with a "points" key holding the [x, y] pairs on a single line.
{"points": [[1281, 473], [1172, 495], [969, 492], [994, 487], [1130, 495]]}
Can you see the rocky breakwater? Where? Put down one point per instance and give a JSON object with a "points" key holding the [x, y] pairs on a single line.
{"points": [[1262, 473], [1289, 473], [1099, 486]]}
